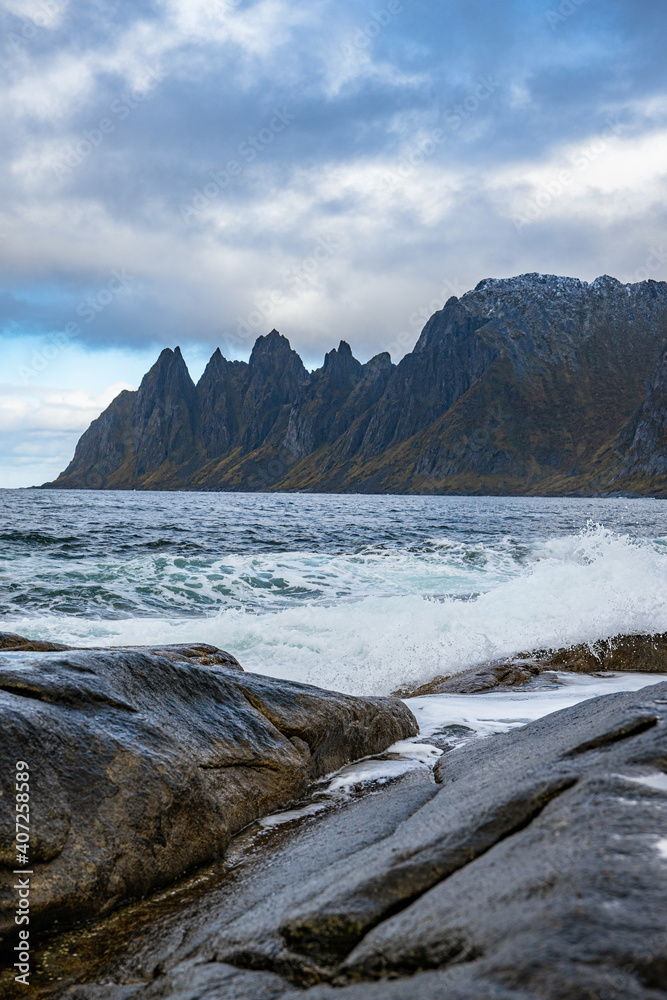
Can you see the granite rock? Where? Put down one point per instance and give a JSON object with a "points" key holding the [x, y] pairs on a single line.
{"points": [[143, 766], [537, 871], [645, 654]]}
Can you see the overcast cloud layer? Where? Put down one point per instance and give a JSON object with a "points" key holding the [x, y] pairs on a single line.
{"points": [[200, 171]]}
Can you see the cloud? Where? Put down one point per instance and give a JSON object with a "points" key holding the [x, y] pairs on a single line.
{"points": [[39, 428], [204, 147], [52, 410]]}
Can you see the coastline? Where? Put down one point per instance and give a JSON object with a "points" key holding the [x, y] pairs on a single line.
{"points": [[400, 780]]}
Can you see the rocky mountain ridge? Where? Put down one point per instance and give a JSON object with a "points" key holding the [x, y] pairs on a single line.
{"points": [[530, 385]]}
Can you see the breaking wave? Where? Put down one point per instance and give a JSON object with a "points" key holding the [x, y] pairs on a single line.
{"points": [[404, 601]]}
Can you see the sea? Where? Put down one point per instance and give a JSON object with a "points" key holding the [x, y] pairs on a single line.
{"points": [[361, 594], [364, 594]]}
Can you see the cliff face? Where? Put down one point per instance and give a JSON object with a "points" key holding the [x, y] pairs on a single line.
{"points": [[647, 431], [164, 417], [220, 393], [275, 375], [448, 357], [103, 449], [535, 384], [332, 398], [640, 453]]}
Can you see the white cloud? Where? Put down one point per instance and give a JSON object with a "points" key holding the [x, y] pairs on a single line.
{"points": [[39, 428], [608, 177], [367, 96], [52, 410]]}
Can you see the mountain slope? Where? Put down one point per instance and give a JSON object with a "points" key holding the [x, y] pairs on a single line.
{"points": [[534, 384], [640, 452]]}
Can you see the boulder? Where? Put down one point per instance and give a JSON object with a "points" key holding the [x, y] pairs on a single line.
{"points": [[538, 871], [196, 652], [644, 654], [143, 766]]}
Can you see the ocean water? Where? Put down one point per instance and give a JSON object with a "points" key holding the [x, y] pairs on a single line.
{"points": [[363, 594]]}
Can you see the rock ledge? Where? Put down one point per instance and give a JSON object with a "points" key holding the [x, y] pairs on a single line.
{"points": [[143, 766]]}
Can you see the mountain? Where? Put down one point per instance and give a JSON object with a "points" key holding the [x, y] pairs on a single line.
{"points": [[529, 385], [639, 462]]}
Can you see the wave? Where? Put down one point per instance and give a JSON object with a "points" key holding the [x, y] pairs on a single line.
{"points": [[371, 622]]}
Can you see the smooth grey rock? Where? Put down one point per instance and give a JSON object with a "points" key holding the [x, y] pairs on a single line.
{"points": [[537, 871], [142, 767], [215, 980], [195, 652], [646, 654]]}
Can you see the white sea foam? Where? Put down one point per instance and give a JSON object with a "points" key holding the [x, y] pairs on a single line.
{"points": [[371, 622], [657, 781], [462, 719], [501, 711]]}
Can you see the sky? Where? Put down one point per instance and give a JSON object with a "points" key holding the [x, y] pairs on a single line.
{"points": [[198, 172]]}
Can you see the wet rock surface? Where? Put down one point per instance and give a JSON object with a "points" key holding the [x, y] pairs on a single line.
{"points": [[537, 868], [143, 766], [195, 652], [645, 654]]}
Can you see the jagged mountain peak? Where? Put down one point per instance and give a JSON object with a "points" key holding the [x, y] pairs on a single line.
{"points": [[452, 314], [169, 373], [379, 362], [275, 376], [272, 357], [341, 361], [275, 351], [522, 385], [270, 343], [165, 358], [606, 281], [533, 280], [553, 286], [216, 366], [168, 357]]}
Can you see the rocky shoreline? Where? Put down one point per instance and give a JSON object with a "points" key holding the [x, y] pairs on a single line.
{"points": [[528, 865], [646, 654], [143, 766]]}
